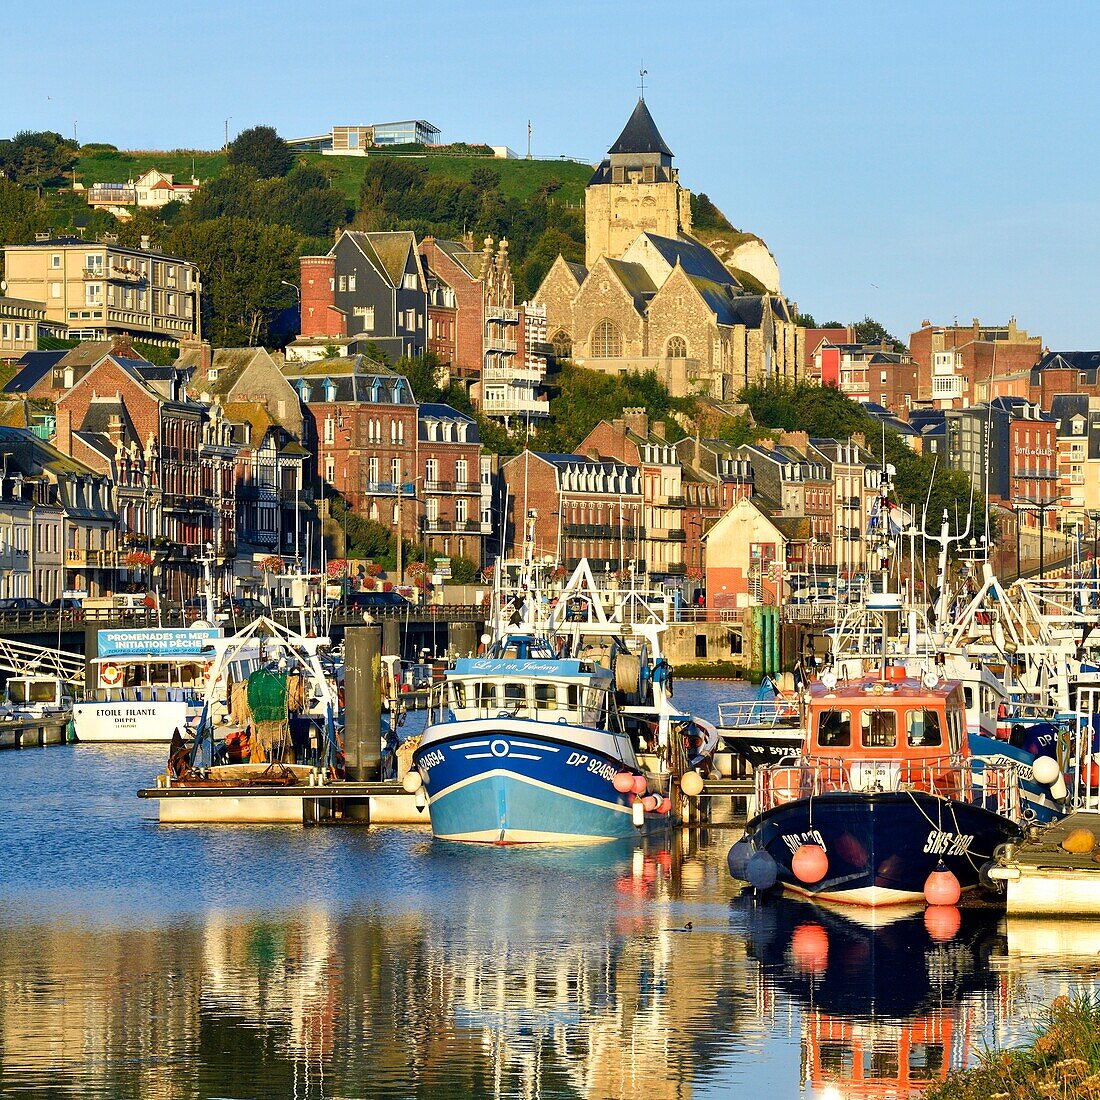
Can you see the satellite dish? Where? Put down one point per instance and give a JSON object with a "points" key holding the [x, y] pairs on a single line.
{"points": [[930, 680]]}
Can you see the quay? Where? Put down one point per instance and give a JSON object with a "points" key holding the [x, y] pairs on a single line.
{"points": [[1042, 879], [27, 733]]}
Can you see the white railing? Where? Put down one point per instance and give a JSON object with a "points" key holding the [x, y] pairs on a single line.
{"points": [[758, 714], [991, 786]]}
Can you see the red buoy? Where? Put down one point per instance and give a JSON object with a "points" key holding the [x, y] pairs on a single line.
{"points": [[810, 863], [942, 887]]}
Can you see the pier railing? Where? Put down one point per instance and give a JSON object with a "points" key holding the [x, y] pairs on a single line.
{"points": [[994, 787]]}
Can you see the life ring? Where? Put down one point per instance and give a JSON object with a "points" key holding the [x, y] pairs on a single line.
{"points": [[111, 675]]}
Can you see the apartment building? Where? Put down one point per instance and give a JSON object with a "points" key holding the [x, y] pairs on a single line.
{"points": [[98, 290]]}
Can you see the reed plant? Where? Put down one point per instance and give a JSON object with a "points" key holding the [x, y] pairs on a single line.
{"points": [[1063, 1062]]}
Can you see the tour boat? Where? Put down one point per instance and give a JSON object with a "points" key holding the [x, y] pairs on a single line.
{"points": [[884, 795], [147, 684]]}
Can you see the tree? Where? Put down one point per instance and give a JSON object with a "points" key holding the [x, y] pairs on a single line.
{"points": [[805, 320], [705, 215], [869, 331], [21, 214], [37, 158], [364, 538], [243, 264], [262, 149]]}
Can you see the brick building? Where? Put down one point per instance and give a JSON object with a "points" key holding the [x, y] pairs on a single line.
{"points": [[1060, 372], [951, 359], [370, 288], [145, 408], [585, 508], [449, 468], [632, 440]]}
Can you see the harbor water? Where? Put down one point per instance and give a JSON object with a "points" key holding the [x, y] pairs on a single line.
{"points": [[141, 960]]}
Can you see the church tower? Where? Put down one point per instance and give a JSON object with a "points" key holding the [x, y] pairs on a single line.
{"points": [[636, 190]]}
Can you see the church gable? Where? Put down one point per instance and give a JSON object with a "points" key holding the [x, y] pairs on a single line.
{"points": [[682, 324], [608, 321], [556, 294]]}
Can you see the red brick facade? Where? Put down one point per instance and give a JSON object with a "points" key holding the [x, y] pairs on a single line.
{"points": [[469, 292], [320, 317]]}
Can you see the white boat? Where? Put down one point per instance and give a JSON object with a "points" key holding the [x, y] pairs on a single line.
{"points": [[35, 696], [146, 684]]}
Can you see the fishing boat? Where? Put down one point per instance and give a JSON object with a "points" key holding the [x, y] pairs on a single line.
{"points": [[31, 695], [767, 728], [884, 795], [564, 731]]}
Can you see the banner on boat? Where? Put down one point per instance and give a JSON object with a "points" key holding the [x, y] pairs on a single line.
{"points": [[156, 643]]}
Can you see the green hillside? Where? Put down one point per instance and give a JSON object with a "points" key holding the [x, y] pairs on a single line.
{"points": [[519, 179]]}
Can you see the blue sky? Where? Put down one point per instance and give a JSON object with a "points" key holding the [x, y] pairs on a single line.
{"points": [[906, 161]]}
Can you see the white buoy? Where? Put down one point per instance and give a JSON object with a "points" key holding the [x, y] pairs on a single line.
{"points": [[421, 799], [637, 813], [1045, 769], [413, 780]]}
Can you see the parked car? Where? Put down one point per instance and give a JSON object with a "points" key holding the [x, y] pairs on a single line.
{"points": [[371, 601], [22, 603], [70, 606]]}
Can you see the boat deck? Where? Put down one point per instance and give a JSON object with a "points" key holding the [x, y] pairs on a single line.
{"points": [[1042, 878]]}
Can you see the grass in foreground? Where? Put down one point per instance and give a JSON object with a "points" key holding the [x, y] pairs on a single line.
{"points": [[1062, 1064]]}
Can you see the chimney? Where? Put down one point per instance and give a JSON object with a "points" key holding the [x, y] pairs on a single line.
{"points": [[122, 344], [114, 431], [658, 430], [800, 441], [859, 439], [637, 421], [63, 438], [145, 242]]}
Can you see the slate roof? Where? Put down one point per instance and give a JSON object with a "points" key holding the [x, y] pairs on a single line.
{"points": [[253, 414], [473, 263], [387, 251], [433, 411], [1065, 406], [695, 258], [640, 134], [35, 366], [1074, 360], [98, 416], [635, 280], [580, 272]]}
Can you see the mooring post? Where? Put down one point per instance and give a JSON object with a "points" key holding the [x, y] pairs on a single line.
{"points": [[363, 711], [462, 639], [391, 637]]}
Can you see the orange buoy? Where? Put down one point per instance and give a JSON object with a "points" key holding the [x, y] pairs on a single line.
{"points": [[942, 887], [640, 784], [810, 948], [623, 782], [942, 922], [810, 863]]}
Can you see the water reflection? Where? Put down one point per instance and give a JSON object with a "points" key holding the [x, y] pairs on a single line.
{"points": [[890, 1000]]}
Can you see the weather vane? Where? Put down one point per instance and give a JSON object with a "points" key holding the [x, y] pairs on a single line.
{"points": [[642, 74]]}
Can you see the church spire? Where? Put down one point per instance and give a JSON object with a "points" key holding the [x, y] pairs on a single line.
{"points": [[640, 134]]}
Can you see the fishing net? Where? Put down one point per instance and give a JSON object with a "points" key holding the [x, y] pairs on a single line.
{"points": [[239, 714], [267, 702]]}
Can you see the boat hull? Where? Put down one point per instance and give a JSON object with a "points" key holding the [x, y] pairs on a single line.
{"points": [[881, 847], [152, 721], [764, 746], [519, 782], [1035, 798]]}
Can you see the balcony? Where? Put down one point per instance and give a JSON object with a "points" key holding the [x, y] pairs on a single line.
{"points": [[514, 406], [602, 531], [671, 502], [130, 276], [502, 314], [493, 342], [676, 534], [95, 274], [470, 487], [492, 373], [446, 525], [76, 558]]}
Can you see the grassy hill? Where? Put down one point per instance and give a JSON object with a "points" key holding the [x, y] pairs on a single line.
{"points": [[518, 178]]}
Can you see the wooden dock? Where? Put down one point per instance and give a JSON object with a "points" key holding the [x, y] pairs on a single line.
{"points": [[27, 733], [344, 801], [1042, 879]]}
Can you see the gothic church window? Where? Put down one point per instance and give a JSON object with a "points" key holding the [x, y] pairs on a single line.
{"points": [[677, 348], [607, 343], [563, 344]]}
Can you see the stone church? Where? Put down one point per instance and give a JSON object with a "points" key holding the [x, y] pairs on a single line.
{"points": [[650, 295]]}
